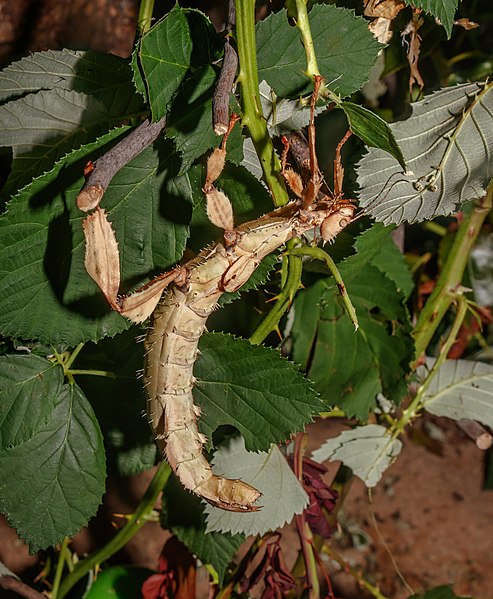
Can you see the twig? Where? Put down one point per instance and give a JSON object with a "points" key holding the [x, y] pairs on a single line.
{"points": [[476, 432], [222, 93], [102, 171], [304, 531], [449, 280], [21, 588], [360, 579]]}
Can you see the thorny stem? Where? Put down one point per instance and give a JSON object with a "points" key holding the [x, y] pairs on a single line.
{"points": [[375, 591], [319, 254], [252, 116], [134, 524], [304, 531], [449, 280], [417, 403], [145, 17], [283, 301], [312, 70]]}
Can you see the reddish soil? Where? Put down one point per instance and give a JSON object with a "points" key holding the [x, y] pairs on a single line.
{"points": [[433, 522]]}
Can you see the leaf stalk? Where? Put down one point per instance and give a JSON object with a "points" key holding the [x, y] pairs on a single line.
{"points": [[319, 254]]}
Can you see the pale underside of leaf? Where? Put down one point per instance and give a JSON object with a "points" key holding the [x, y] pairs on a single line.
{"points": [[462, 389], [447, 145], [367, 450], [282, 494]]}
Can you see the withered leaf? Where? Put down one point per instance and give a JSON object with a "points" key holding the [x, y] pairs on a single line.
{"points": [[466, 23], [388, 9], [102, 260], [413, 51]]}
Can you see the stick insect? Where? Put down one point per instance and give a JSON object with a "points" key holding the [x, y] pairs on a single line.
{"points": [[180, 301]]}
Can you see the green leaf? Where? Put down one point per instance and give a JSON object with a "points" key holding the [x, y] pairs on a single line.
{"points": [[283, 495], [119, 402], [45, 292], [107, 77], [252, 388], [248, 197], [56, 478], [375, 358], [448, 147], [345, 49], [162, 59], [373, 130], [441, 592], [25, 382], [462, 389], [367, 450], [444, 10], [183, 513], [190, 120], [44, 127], [378, 247]]}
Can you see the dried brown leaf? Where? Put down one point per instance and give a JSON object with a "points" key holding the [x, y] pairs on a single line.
{"points": [[388, 9], [380, 28], [219, 209], [102, 259], [466, 23], [413, 51]]}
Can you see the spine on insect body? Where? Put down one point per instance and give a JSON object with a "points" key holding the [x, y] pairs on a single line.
{"points": [[171, 350], [172, 345]]}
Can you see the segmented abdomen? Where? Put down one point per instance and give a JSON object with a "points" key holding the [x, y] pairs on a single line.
{"points": [[171, 350]]}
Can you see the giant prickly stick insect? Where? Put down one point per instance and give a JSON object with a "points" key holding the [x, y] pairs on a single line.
{"points": [[180, 301]]}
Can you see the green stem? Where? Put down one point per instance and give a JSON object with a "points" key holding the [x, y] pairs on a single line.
{"points": [[451, 275], [252, 116], [59, 568], [134, 524], [415, 406], [68, 363], [319, 254], [284, 299], [145, 17], [106, 373], [312, 70]]}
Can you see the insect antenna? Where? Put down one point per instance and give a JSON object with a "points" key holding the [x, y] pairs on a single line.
{"points": [[379, 199]]}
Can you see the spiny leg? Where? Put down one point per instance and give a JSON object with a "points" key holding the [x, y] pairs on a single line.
{"points": [[338, 168]]}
